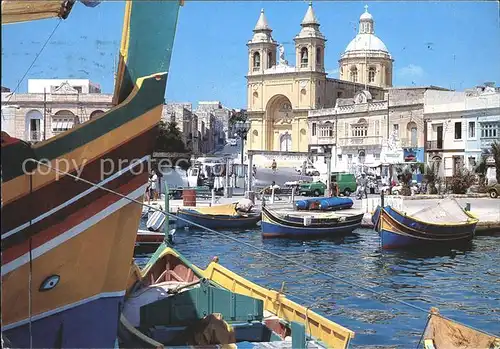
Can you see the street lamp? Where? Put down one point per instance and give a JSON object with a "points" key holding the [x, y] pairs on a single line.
{"points": [[241, 130]]}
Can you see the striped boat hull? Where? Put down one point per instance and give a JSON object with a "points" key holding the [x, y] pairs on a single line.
{"points": [[398, 231], [274, 226], [216, 221], [67, 245]]}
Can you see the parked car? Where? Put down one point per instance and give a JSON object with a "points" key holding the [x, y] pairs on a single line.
{"points": [[494, 190], [346, 182], [310, 170], [312, 188], [232, 142]]}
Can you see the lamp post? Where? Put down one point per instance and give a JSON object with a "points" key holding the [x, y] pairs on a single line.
{"points": [[241, 129]]}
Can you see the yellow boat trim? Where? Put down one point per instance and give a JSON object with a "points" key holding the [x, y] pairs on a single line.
{"points": [[328, 332], [228, 209], [123, 56]]}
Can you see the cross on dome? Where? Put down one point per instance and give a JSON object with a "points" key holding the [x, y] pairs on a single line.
{"points": [[366, 8]]}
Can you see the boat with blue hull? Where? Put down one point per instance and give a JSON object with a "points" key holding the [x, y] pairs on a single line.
{"points": [[300, 225], [443, 224], [332, 204], [215, 217]]}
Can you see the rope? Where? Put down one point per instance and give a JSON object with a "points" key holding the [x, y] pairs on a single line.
{"points": [[423, 332], [36, 57], [287, 259], [30, 278]]}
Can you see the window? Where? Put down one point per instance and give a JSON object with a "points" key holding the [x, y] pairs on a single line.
{"points": [[458, 130], [269, 60], [349, 158], [326, 130], [339, 158], [376, 156], [395, 128], [256, 61], [490, 130], [354, 74], [339, 94], [371, 74], [360, 129], [377, 127], [318, 55], [78, 89], [472, 129], [314, 129], [304, 59]]}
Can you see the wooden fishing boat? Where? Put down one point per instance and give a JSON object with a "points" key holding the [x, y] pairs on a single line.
{"points": [[305, 225], [72, 240], [172, 302], [442, 224], [226, 216], [444, 333]]}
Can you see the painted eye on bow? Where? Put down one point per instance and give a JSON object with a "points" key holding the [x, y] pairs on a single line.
{"points": [[49, 283]]}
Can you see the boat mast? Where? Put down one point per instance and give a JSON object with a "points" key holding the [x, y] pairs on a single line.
{"points": [[44, 113]]}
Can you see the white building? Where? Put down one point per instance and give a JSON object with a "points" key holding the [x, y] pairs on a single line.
{"points": [[461, 126], [51, 85]]}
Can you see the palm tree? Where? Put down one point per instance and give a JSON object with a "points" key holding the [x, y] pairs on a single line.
{"points": [[480, 170], [495, 150]]}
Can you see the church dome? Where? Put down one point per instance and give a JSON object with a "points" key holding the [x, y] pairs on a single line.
{"points": [[364, 42]]}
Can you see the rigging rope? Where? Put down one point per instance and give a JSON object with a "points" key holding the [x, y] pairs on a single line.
{"points": [[300, 265], [36, 57]]}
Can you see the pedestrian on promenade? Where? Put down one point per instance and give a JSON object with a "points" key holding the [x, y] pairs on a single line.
{"points": [[274, 166]]}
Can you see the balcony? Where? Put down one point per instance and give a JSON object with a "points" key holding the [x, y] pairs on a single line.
{"points": [[358, 141], [35, 136], [409, 143], [434, 145]]}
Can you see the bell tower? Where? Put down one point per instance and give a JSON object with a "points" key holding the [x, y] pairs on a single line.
{"points": [[262, 47], [310, 44]]}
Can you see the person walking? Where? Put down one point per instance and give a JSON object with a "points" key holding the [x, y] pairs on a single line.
{"points": [[274, 166], [153, 183]]}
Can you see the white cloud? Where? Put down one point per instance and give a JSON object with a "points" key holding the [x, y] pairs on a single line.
{"points": [[332, 71], [411, 71]]}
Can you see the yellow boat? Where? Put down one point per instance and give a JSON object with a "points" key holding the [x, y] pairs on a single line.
{"points": [[171, 302]]}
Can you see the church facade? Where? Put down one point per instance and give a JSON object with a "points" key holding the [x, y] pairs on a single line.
{"points": [[281, 95]]}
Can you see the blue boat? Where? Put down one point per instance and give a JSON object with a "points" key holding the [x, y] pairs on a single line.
{"points": [[443, 224], [215, 217], [333, 204], [300, 226]]}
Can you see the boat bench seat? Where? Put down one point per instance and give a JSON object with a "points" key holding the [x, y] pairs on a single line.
{"points": [[207, 194], [278, 193]]}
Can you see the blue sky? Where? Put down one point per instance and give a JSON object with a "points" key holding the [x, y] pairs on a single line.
{"points": [[450, 44]]}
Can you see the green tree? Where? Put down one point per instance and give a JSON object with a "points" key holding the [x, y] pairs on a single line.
{"points": [[461, 181], [406, 178], [480, 170], [169, 140], [431, 179], [495, 150]]}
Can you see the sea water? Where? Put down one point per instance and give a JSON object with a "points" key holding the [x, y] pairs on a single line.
{"points": [[464, 284]]}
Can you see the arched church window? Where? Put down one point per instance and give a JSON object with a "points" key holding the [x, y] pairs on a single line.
{"points": [[354, 74], [304, 57], [371, 74], [256, 61], [318, 55], [269, 59]]}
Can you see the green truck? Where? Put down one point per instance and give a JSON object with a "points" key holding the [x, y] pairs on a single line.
{"points": [[345, 181]]}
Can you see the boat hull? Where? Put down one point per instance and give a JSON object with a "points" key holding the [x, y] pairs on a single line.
{"points": [[74, 241], [274, 226], [64, 329], [216, 221], [394, 234]]}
